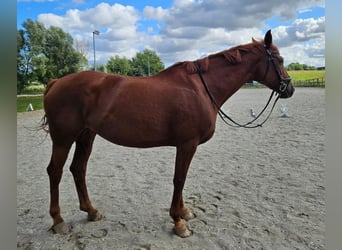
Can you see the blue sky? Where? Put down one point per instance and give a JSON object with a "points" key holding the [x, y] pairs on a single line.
{"points": [[181, 30], [32, 8]]}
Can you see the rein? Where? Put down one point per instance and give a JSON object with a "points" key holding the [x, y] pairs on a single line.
{"points": [[282, 88]]}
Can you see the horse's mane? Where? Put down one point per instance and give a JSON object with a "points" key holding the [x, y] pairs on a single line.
{"points": [[232, 55], [202, 63]]}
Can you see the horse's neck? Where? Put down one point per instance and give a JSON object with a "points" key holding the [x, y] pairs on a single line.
{"points": [[225, 79]]}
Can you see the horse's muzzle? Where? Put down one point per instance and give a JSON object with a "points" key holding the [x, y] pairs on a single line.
{"points": [[286, 89]]}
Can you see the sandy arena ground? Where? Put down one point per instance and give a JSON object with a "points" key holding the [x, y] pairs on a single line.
{"points": [[258, 188]]}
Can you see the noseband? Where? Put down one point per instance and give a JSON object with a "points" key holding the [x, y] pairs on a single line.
{"points": [[283, 83]]}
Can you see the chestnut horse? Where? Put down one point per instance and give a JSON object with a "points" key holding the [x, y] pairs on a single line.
{"points": [[172, 108]]}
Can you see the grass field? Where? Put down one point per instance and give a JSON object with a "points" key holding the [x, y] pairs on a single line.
{"points": [[24, 101], [308, 78], [301, 75]]}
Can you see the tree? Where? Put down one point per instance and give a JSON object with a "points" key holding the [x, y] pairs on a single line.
{"points": [[22, 62], [298, 66], [29, 52], [143, 64], [101, 68], [295, 66], [44, 54], [63, 59], [146, 63], [121, 66]]}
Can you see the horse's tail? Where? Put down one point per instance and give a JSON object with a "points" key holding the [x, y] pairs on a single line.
{"points": [[44, 124]]}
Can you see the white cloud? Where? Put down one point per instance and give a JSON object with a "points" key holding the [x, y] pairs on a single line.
{"points": [[310, 54], [303, 41], [102, 16], [218, 24], [78, 2], [191, 28], [155, 13], [301, 30], [117, 25], [229, 14]]}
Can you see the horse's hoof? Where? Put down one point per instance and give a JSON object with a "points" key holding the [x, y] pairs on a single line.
{"points": [[60, 228], [95, 217], [181, 230]]}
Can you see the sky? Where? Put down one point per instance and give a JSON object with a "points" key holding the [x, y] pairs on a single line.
{"points": [[181, 30]]}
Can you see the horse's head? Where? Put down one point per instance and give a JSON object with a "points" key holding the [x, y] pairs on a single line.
{"points": [[272, 72]]}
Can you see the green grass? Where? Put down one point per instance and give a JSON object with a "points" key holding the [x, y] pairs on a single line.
{"points": [[301, 75], [308, 78], [24, 101]]}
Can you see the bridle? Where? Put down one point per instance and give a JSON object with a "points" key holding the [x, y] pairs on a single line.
{"points": [[283, 81], [283, 84]]}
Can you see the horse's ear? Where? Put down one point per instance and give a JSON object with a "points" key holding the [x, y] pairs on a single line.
{"points": [[253, 40], [268, 39]]}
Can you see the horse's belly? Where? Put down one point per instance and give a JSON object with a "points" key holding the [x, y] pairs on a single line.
{"points": [[135, 133], [149, 122]]}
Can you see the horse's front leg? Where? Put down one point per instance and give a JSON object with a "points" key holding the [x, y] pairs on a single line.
{"points": [[178, 210]]}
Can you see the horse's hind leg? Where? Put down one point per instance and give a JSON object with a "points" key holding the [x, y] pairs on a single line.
{"points": [[78, 167], [55, 170]]}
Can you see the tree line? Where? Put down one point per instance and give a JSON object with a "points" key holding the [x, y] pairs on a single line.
{"points": [[299, 66], [145, 63], [49, 53]]}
